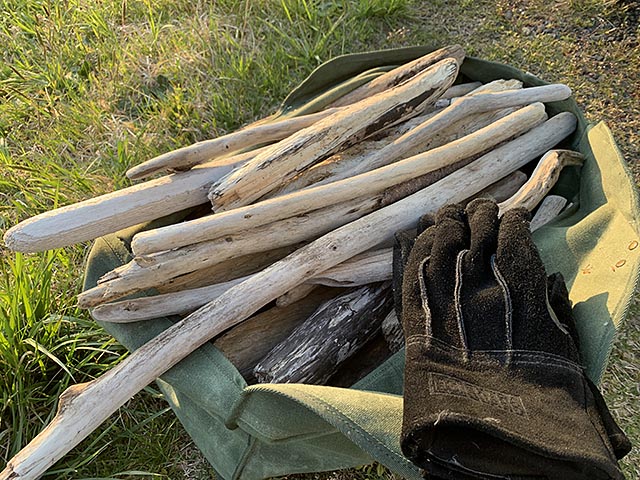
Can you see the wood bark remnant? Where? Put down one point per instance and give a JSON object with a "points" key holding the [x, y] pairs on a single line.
{"points": [[314, 350]]}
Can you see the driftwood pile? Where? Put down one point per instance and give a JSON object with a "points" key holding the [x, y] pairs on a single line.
{"points": [[289, 276]]}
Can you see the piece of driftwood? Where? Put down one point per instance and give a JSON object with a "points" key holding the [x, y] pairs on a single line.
{"points": [[359, 159], [245, 344], [392, 332], [312, 198], [400, 74], [225, 270], [83, 407], [504, 188], [145, 271], [369, 267], [124, 208], [348, 126], [549, 208], [330, 336], [543, 178], [207, 150]]}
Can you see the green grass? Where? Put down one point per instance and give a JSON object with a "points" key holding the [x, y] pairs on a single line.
{"points": [[88, 89]]}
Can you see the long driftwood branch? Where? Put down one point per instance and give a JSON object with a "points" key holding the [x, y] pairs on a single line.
{"points": [[207, 150], [83, 408], [124, 208], [312, 198], [400, 74], [338, 131], [369, 267]]}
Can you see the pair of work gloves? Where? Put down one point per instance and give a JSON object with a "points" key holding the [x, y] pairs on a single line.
{"points": [[493, 386]]}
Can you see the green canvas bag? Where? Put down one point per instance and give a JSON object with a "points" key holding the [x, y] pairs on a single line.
{"points": [[259, 431]]}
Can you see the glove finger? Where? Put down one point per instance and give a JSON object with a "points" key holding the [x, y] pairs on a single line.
{"points": [[519, 263], [451, 236], [410, 296], [483, 225], [480, 291], [426, 221]]}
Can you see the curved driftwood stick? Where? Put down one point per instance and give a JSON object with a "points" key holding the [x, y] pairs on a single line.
{"points": [[146, 271], [312, 198], [336, 132], [187, 157], [549, 208], [400, 74], [543, 178], [82, 408], [369, 267], [124, 208]]}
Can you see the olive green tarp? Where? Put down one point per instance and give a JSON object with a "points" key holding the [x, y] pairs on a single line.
{"points": [[259, 431]]}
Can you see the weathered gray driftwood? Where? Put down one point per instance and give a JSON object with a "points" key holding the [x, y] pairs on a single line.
{"points": [[245, 344], [84, 407], [312, 198], [332, 334], [549, 208], [400, 74], [348, 126], [124, 208], [208, 150], [543, 178], [392, 332]]}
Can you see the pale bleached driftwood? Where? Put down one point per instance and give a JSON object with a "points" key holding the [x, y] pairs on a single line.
{"points": [[505, 188], [330, 336], [145, 271], [336, 132], [312, 198], [226, 270], [124, 208], [83, 407], [543, 178], [549, 208], [207, 150], [360, 158], [245, 344], [400, 75], [369, 267]]}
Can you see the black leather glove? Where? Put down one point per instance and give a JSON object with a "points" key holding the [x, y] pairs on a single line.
{"points": [[493, 383]]}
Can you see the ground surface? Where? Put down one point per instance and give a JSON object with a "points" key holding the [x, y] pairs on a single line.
{"points": [[88, 89]]}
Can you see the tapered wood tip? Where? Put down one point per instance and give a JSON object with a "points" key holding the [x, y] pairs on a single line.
{"points": [[16, 240]]}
